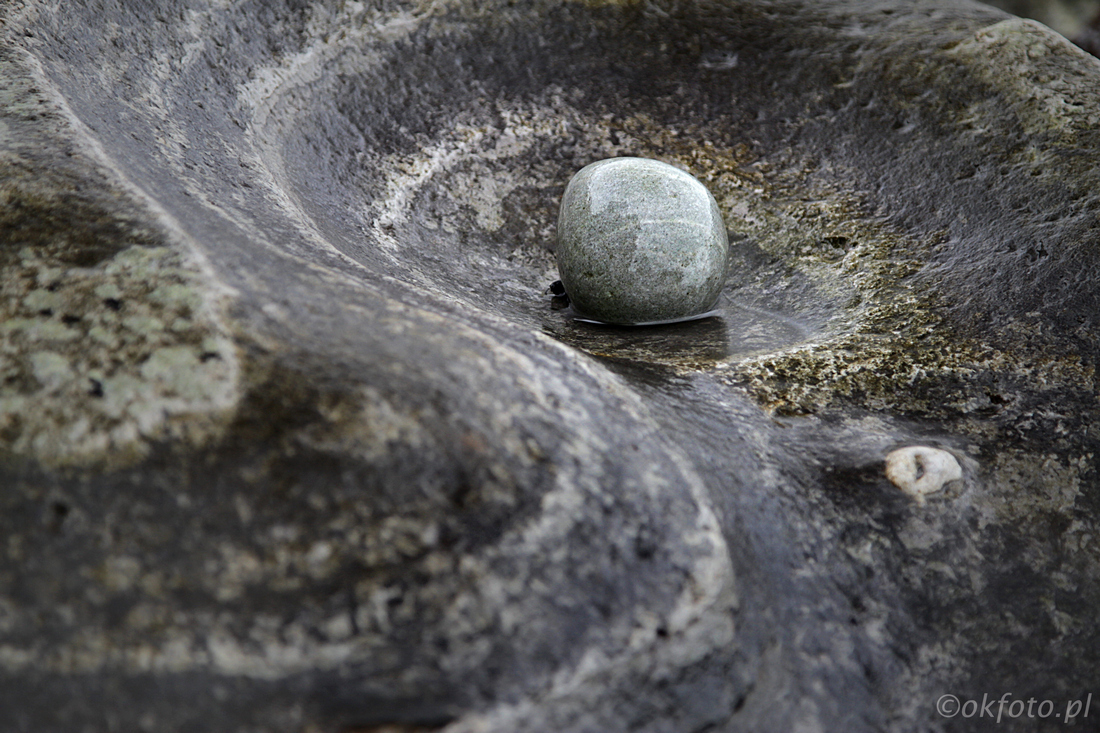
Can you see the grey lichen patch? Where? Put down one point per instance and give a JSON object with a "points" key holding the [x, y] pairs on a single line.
{"points": [[97, 362]]}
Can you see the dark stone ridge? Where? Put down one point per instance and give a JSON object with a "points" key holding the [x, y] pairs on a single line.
{"points": [[292, 440]]}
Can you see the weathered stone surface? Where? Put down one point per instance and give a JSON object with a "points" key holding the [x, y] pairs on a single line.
{"points": [[290, 439], [640, 242]]}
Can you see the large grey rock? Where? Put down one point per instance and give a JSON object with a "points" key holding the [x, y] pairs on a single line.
{"points": [[292, 440]]}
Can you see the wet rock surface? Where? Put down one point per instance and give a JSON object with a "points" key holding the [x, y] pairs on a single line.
{"points": [[291, 440]]}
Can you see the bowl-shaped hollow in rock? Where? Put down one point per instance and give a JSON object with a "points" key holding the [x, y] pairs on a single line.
{"points": [[640, 242], [290, 442]]}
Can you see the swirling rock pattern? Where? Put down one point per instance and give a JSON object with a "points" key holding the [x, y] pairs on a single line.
{"points": [[291, 440]]}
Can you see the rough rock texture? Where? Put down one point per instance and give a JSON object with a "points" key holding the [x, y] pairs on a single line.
{"points": [[291, 440]]}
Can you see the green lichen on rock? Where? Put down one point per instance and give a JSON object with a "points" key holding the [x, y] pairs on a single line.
{"points": [[98, 362]]}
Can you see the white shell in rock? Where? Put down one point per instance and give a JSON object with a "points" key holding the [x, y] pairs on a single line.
{"points": [[919, 470]]}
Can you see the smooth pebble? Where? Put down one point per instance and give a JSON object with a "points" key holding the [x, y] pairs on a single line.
{"points": [[640, 242]]}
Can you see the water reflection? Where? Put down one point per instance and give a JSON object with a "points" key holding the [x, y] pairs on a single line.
{"points": [[735, 331]]}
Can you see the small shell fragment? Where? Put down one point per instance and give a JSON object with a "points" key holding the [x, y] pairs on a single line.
{"points": [[919, 470]]}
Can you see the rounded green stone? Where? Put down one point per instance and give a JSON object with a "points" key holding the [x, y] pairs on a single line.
{"points": [[640, 242]]}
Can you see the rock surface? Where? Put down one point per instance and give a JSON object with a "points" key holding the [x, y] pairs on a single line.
{"points": [[290, 439]]}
